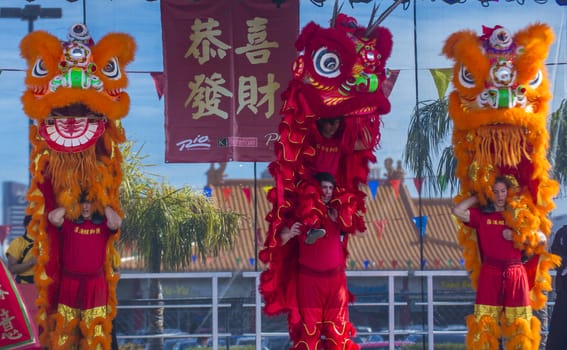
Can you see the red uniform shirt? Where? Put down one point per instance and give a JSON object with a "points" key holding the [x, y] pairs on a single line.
{"points": [[492, 244], [84, 246], [326, 254], [328, 154]]}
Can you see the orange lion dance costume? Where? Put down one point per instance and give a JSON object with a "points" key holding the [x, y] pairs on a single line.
{"points": [[499, 109], [339, 74], [75, 95]]}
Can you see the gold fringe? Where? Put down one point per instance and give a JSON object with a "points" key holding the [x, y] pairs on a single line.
{"points": [[502, 145]]}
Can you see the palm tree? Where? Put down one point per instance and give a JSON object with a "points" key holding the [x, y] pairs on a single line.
{"points": [[430, 127], [165, 226], [558, 143]]}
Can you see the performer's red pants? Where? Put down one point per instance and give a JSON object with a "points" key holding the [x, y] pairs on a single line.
{"points": [[503, 284], [323, 305]]}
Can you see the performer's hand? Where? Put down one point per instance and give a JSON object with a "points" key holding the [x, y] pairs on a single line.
{"points": [[288, 233], [113, 220], [542, 239], [56, 216]]}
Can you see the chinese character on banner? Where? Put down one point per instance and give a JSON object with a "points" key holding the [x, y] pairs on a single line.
{"points": [[16, 329], [226, 64]]}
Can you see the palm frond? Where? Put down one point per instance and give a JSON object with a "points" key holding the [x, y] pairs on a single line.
{"points": [[166, 226], [429, 128], [558, 143]]}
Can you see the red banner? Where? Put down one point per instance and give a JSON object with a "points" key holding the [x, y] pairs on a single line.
{"points": [[17, 331], [226, 64]]}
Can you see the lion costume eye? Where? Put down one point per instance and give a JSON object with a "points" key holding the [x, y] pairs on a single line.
{"points": [[112, 69], [536, 81], [465, 77], [39, 70], [326, 63]]}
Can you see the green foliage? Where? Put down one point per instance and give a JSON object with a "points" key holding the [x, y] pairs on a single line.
{"points": [[429, 129], [164, 225], [558, 143]]}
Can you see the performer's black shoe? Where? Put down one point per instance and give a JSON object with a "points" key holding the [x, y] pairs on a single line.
{"points": [[314, 234]]}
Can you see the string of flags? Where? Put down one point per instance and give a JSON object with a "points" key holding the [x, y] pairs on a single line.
{"points": [[379, 225], [373, 185]]}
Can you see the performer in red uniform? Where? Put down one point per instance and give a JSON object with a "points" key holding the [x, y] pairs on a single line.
{"points": [[322, 294], [503, 294], [331, 146], [83, 295]]}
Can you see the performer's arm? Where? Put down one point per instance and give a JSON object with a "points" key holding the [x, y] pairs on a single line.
{"points": [[509, 233], [288, 233], [56, 217], [113, 220], [16, 268], [461, 210]]}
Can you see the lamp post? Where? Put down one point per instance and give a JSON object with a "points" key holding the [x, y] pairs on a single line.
{"points": [[30, 13]]}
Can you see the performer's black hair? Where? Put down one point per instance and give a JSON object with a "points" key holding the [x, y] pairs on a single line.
{"points": [[324, 176]]}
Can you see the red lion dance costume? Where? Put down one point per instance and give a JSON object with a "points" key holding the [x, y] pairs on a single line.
{"points": [[499, 109], [339, 74], [75, 96]]}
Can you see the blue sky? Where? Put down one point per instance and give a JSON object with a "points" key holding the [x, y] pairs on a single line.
{"points": [[145, 122]]}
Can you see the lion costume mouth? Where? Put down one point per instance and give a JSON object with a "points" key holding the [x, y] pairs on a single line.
{"points": [[72, 129]]}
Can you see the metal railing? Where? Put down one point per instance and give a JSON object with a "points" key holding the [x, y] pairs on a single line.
{"points": [[390, 299]]}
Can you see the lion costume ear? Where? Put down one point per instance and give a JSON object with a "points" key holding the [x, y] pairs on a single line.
{"points": [[384, 42], [112, 53], [464, 47], [119, 45], [42, 52], [534, 42]]}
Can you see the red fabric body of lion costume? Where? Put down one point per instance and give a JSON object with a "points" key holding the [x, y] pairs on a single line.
{"points": [[339, 74]]}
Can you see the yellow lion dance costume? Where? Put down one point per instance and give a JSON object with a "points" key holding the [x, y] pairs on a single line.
{"points": [[75, 96], [499, 109]]}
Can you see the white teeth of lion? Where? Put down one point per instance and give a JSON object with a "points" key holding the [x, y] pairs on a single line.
{"points": [[58, 139], [83, 139], [50, 129]]}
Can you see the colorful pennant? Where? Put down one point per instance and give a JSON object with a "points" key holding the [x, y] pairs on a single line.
{"points": [[373, 185], [395, 183], [421, 224]]}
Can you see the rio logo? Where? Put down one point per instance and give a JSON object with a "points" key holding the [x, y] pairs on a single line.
{"points": [[197, 143], [271, 138]]}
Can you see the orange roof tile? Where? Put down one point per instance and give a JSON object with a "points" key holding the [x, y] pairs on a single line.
{"points": [[396, 246]]}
